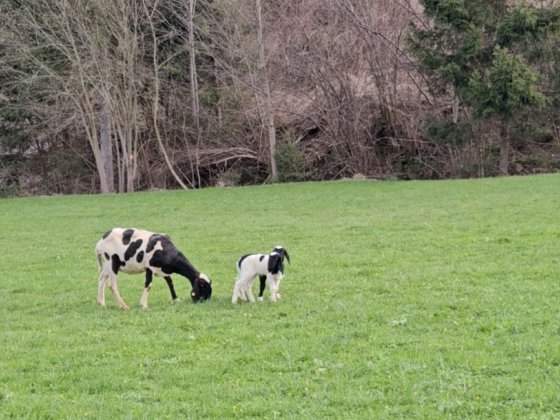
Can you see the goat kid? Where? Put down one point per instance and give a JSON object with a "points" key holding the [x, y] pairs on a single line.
{"points": [[133, 251], [269, 268]]}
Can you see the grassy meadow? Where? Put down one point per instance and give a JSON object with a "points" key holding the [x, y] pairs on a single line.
{"points": [[408, 300]]}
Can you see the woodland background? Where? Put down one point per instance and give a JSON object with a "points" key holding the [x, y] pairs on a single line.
{"points": [[121, 95]]}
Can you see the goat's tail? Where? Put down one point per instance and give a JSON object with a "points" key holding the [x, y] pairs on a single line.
{"points": [[98, 258]]}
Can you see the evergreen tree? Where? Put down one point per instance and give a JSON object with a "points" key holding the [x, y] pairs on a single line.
{"points": [[480, 52]]}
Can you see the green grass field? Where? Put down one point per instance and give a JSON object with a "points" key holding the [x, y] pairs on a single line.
{"points": [[410, 300]]}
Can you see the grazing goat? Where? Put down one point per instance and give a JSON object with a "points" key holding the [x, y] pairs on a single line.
{"points": [[269, 268], [133, 251]]}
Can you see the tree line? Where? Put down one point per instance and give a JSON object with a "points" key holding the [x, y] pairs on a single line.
{"points": [[119, 95]]}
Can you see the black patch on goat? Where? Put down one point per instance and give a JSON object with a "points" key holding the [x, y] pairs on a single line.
{"points": [[149, 275], [275, 264], [160, 259], [166, 257], [195, 292], [140, 257], [171, 288], [170, 260], [205, 289], [262, 285], [153, 241], [127, 235], [132, 248], [106, 234], [242, 258], [261, 258], [282, 252], [107, 257], [201, 290], [116, 263]]}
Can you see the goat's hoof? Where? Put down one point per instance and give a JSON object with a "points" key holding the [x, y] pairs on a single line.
{"points": [[101, 304], [177, 300], [278, 296], [125, 308], [260, 299]]}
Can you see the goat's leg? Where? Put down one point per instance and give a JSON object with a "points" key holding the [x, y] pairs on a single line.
{"points": [[278, 296], [147, 287], [273, 285], [241, 291], [248, 285], [171, 289], [101, 288], [262, 287], [237, 291], [115, 290]]}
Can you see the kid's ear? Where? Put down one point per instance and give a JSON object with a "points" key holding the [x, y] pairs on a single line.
{"points": [[287, 256]]}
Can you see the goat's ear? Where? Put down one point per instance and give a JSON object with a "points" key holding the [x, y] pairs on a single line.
{"points": [[205, 289], [287, 256]]}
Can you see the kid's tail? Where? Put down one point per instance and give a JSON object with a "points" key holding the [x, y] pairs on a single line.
{"points": [[98, 258]]}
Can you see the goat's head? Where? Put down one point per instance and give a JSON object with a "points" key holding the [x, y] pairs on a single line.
{"points": [[281, 252], [276, 260], [202, 288]]}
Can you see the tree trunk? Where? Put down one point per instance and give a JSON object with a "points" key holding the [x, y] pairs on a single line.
{"points": [[130, 173], [194, 86], [194, 82], [265, 92], [106, 146], [504, 149]]}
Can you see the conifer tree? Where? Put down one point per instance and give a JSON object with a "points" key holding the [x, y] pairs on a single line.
{"points": [[479, 51]]}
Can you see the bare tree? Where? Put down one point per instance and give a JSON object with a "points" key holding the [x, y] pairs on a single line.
{"points": [[185, 13], [192, 69], [96, 86], [161, 93], [155, 102], [265, 92], [238, 49], [58, 26]]}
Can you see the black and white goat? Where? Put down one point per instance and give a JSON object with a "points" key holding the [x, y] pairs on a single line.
{"points": [[269, 268], [133, 251]]}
